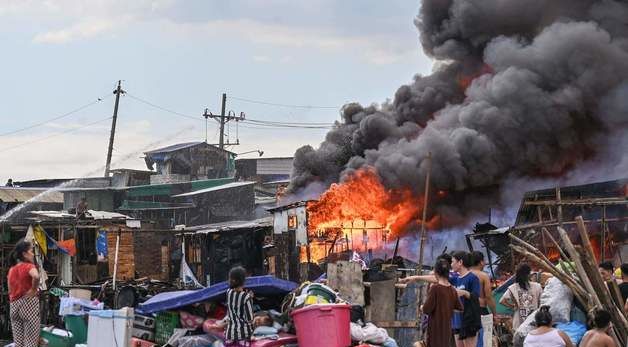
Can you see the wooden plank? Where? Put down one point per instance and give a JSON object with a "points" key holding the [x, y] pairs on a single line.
{"points": [[383, 302], [406, 311], [346, 278]]}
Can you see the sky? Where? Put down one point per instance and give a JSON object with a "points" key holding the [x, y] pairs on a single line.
{"points": [[175, 58]]}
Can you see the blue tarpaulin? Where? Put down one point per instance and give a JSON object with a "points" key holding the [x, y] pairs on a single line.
{"points": [[101, 245], [260, 285]]}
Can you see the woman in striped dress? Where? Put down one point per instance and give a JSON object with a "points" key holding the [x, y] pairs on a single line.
{"points": [[23, 281], [239, 310]]}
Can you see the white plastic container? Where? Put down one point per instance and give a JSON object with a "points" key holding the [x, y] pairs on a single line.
{"points": [[110, 328]]}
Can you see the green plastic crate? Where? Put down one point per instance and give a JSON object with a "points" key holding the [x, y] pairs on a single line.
{"points": [[165, 323]]}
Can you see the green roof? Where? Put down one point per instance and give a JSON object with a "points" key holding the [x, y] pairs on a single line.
{"points": [[144, 205], [175, 188]]}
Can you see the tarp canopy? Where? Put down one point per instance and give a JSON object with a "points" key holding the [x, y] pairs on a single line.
{"points": [[260, 285]]}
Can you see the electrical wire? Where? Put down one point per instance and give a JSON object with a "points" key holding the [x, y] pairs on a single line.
{"points": [[280, 128], [58, 117], [262, 122], [162, 108], [304, 125], [262, 126], [282, 105], [55, 135]]}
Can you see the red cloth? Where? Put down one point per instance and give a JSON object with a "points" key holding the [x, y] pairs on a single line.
{"points": [[20, 281], [68, 245], [190, 321]]}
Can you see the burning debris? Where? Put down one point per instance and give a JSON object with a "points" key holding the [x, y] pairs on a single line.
{"points": [[530, 90]]}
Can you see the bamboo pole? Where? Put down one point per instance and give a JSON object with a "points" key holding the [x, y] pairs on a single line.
{"points": [[595, 300], [575, 288], [575, 257], [619, 319], [559, 210], [560, 249], [426, 194], [425, 200], [548, 264]]}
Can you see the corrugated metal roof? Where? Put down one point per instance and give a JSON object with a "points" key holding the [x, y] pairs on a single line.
{"points": [[227, 226], [170, 188], [96, 215], [17, 194], [179, 146], [174, 147], [213, 189], [274, 166]]}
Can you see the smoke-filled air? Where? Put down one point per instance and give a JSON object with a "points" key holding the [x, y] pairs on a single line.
{"points": [[521, 91]]}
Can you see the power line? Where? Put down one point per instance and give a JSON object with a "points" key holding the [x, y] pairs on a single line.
{"points": [[252, 121], [163, 108], [262, 122], [54, 135], [282, 105], [283, 126], [58, 117]]}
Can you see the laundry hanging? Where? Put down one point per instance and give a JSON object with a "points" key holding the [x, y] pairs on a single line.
{"points": [[40, 237], [65, 246]]}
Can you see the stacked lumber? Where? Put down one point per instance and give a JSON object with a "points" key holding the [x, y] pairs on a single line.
{"points": [[584, 279]]}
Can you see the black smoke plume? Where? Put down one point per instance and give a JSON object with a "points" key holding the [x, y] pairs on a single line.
{"points": [[521, 89]]}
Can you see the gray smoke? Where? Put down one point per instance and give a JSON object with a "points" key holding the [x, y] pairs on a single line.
{"points": [[523, 91]]}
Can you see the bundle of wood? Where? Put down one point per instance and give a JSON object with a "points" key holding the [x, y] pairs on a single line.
{"points": [[580, 273]]}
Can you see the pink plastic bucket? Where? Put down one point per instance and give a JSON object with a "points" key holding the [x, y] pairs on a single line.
{"points": [[323, 325]]}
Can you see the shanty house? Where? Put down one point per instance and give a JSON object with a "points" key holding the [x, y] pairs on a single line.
{"points": [[189, 161], [264, 170], [37, 198], [212, 250], [603, 206]]}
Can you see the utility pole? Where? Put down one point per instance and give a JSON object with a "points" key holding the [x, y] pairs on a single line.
{"points": [[221, 141], [117, 92], [222, 120]]}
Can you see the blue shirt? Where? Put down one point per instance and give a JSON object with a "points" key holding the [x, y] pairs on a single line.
{"points": [[468, 282]]}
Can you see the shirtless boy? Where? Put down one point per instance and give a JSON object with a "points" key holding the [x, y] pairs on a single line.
{"points": [[598, 336], [486, 299]]}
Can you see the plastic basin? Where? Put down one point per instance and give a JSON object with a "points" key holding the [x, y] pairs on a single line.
{"points": [[323, 325]]}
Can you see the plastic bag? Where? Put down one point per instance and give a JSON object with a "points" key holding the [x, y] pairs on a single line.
{"points": [[196, 341], [575, 330], [368, 333], [559, 298]]}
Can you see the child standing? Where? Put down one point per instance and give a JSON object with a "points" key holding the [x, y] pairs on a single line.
{"points": [[239, 310]]}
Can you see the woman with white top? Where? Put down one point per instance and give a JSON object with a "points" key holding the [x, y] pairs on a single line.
{"points": [[523, 296], [544, 335]]}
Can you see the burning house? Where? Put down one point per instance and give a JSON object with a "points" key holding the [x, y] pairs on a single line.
{"points": [[603, 206], [360, 216], [516, 97]]}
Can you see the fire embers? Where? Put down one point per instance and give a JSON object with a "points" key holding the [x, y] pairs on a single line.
{"points": [[362, 197]]}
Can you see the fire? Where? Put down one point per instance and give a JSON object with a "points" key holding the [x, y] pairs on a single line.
{"points": [[465, 80], [363, 198]]}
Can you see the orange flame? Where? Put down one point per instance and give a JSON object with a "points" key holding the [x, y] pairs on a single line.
{"points": [[363, 198], [465, 80]]}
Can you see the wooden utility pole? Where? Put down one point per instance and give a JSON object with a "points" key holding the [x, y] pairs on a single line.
{"points": [[423, 220], [426, 194], [223, 119], [221, 141], [117, 92]]}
